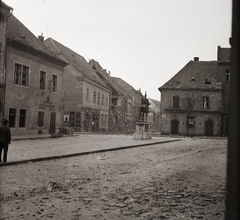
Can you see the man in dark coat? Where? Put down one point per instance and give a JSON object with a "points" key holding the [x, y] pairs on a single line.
{"points": [[5, 140]]}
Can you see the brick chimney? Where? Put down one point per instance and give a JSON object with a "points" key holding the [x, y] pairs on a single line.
{"points": [[196, 58], [41, 38]]}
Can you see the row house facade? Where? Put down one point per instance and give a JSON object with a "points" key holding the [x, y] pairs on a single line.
{"points": [[86, 98], [195, 100], [125, 100], [32, 83], [46, 86]]}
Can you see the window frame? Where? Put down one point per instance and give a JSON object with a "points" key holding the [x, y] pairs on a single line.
{"points": [[42, 71], [10, 116], [54, 83], [22, 77], [175, 101], [207, 102], [24, 117]]}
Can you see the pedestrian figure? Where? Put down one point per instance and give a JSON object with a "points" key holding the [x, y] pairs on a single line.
{"points": [[93, 127], [5, 139]]}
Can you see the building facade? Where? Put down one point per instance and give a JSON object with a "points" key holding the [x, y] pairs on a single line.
{"points": [[86, 99], [125, 100], [192, 101], [33, 92]]}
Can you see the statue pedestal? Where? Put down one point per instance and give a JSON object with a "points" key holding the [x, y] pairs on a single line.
{"points": [[142, 131]]}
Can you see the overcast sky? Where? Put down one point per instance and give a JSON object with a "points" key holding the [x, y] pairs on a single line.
{"points": [[144, 42]]}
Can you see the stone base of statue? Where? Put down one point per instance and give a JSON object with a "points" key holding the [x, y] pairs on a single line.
{"points": [[142, 131]]}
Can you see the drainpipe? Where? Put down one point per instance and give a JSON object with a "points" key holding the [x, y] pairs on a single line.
{"points": [[5, 61]]}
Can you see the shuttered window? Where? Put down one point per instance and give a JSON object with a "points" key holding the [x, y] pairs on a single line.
{"points": [[40, 119]]}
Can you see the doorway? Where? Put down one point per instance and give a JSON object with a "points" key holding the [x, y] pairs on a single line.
{"points": [[174, 127], [209, 128], [52, 127]]}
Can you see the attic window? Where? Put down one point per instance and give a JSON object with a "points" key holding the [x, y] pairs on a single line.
{"points": [[207, 82]]}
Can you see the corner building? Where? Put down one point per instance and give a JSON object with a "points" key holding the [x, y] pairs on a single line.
{"points": [[33, 92]]}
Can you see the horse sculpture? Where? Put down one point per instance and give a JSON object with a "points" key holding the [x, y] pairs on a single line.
{"points": [[144, 109]]}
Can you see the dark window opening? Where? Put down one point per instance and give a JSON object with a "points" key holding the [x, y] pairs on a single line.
{"points": [[22, 118], [175, 101], [42, 80], [40, 119], [12, 117]]}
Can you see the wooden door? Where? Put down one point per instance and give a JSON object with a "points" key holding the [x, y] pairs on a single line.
{"points": [[209, 128], [52, 127], [174, 127]]}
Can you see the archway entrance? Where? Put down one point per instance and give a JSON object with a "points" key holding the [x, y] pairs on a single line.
{"points": [[174, 126], [209, 128]]}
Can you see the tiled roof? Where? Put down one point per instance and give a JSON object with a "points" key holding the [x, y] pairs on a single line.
{"points": [[127, 89], [16, 31], [78, 62], [195, 75], [116, 90]]}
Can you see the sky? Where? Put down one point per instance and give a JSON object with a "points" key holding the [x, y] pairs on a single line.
{"points": [[143, 42]]}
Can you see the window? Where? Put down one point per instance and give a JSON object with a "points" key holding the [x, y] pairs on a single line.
{"points": [[175, 101], [54, 83], [228, 75], [12, 117], [94, 96], [40, 119], [98, 99], [190, 103], [205, 102], [87, 95], [21, 74], [102, 99], [106, 100], [22, 118], [42, 80]]}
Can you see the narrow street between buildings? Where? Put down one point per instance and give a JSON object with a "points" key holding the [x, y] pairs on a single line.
{"points": [[177, 180]]}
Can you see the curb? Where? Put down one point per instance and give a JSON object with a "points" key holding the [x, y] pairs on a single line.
{"points": [[81, 153]]}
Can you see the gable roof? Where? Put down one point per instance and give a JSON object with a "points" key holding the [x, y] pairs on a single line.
{"points": [[126, 88], [195, 75], [116, 90], [19, 34], [75, 60]]}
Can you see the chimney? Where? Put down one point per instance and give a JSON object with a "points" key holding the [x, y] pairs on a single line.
{"points": [[196, 58], [41, 38]]}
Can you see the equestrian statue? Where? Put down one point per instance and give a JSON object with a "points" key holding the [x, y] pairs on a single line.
{"points": [[144, 109]]}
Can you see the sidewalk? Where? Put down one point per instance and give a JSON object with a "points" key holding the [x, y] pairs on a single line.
{"points": [[27, 149]]}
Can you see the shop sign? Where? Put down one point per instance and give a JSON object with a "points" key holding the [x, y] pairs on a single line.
{"points": [[46, 104]]}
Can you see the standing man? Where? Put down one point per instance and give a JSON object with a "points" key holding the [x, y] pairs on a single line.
{"points": [[5, 139]]}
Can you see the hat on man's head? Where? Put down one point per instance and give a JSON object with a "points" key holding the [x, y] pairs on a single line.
{"points": [[5, 119]]}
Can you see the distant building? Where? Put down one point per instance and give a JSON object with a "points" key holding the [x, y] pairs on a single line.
{"points": [[125, 100], [86, 98], [33, 79], [154, 113], [195, 100]]}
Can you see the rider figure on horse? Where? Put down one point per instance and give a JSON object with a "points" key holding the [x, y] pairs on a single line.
{"points": [[144, 109]]}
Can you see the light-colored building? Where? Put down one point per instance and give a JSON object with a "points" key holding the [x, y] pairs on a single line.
{"points": [[191, 101], [33, 92], [86, 98]]}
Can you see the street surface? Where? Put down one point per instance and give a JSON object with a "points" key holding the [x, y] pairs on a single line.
{"points": [[177, 180]]}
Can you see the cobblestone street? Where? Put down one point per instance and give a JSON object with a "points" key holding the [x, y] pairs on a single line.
{"points": [[177, 180]]}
